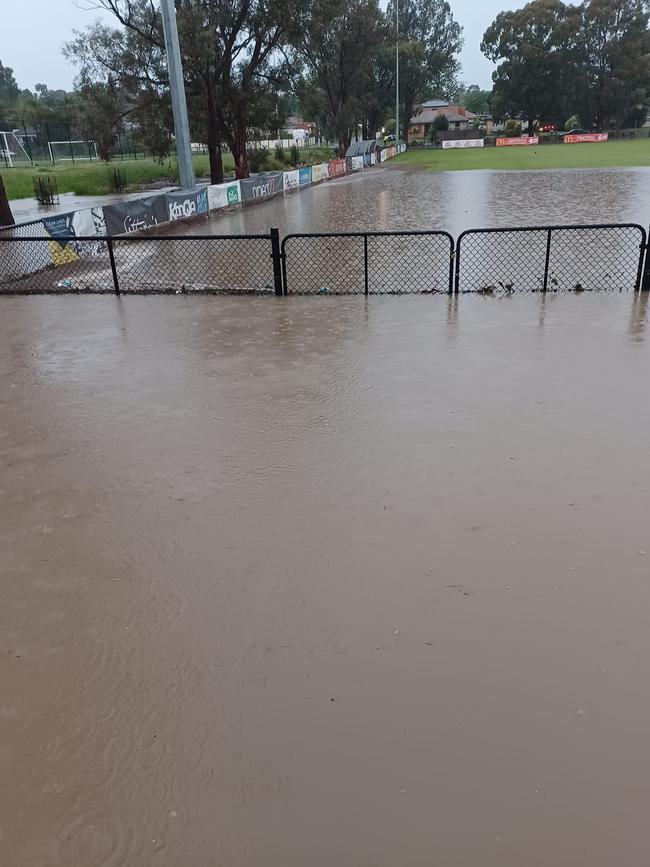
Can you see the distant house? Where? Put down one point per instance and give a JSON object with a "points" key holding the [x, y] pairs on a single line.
{"points": [[458, 116], [300, 128]]}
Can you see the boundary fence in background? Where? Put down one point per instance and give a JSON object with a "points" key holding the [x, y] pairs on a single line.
{"points": [[611, 257]]}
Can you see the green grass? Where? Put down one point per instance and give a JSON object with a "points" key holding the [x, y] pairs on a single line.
{"points": [[556, 156], [91, 179]]}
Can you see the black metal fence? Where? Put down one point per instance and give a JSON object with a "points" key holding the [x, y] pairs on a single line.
{"points": [[611, 257]]}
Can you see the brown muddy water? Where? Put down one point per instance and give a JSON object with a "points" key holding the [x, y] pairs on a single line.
{"points": [[397, 200], [323, 582]]}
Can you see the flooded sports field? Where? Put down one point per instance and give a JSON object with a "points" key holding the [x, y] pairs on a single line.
{"points": [[324, 582], [398, 200]]}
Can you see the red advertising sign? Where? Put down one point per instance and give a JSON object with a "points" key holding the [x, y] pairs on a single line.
{"points": [[517, 142], [337, 167], [585, 137]]}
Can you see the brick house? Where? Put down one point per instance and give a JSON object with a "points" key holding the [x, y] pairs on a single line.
{"points": [[458, 116]]}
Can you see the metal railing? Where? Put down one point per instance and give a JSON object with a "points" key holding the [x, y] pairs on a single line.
{"points": [[612, 257]]}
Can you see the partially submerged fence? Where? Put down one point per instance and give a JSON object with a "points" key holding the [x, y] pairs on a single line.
{"points": [[612, 257]]}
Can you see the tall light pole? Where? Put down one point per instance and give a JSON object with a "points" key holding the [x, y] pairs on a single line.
{"points": [[177, 90], [396, 72]]}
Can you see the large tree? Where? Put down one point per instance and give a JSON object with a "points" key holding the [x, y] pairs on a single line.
{"points": [[616, 55], [8, 89], [339, 47], [429, 41], [232, 53], [533, 48], [556, 60]]}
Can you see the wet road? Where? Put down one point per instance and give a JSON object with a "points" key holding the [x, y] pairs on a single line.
{"points": [[305, 581], [395, 199]]}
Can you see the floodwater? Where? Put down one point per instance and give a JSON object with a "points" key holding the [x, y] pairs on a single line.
{"points": [[350, 582], [395, 199]]}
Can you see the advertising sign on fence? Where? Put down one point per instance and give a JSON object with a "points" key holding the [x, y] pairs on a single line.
{"points": [[356, 163], [88, 222], [135, 215], [366, 161], [223, 195], [60, 228], [187, 204], [578, 138], [373, 159], [261, 186], [305, 175], [463, 143], [291, 180], [522, 141], [337, 168], [319, 173]]}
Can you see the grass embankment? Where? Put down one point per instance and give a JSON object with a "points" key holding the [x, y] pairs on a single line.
{"points": [[556, 156], [91, 179]]}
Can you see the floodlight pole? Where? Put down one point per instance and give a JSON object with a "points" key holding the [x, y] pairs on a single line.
{"points": [[177, 90], [396, 72]]}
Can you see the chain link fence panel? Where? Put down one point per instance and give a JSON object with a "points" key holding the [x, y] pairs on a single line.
{"points": [[554, 259], [375, 263], [208, 264]]}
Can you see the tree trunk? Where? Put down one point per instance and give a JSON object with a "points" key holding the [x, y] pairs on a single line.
{"points": [[238, 146], [531, 126], [215, 156], [6, 217]]}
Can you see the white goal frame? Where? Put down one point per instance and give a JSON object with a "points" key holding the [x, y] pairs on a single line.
{"points": [[85, 156], [6, 152]]}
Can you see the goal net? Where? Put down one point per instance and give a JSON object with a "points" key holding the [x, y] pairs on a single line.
{"points": [[12, 152], [72, 150]]}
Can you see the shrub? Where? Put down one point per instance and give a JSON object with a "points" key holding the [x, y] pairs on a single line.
{"points": [[513, 128], [279, 154], [295, 155], [257, 158]]}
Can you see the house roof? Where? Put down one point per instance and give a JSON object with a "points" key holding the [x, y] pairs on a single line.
{"points": [[436, 103]]}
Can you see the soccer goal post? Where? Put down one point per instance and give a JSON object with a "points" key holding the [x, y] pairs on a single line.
{"points": [[72, 150], [12, 152]]}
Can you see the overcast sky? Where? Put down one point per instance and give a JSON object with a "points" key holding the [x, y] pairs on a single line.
{"points": [[32, 35]]}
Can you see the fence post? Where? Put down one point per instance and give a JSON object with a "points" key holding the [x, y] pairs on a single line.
{"points": [[277, 262], [109, 241], [548, 258], [452, 266], [457, 263], [49, 145], [645, 283], [365, 262]]}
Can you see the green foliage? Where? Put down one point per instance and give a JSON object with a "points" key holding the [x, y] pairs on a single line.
{"points": [[280, 155], [294, 155], [572, 122], [9, 90], [430, 39], [257, 159], [440, 124], [554, 57], [513, 128], [476, 100], [338, 46]]}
